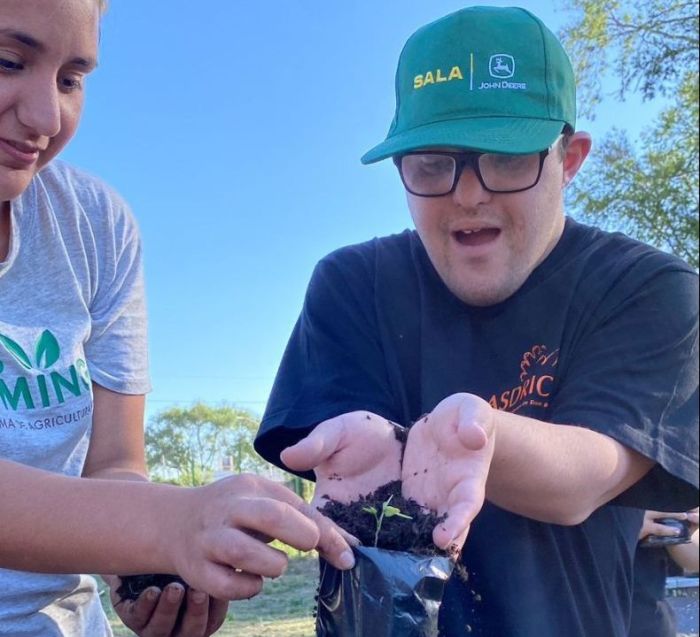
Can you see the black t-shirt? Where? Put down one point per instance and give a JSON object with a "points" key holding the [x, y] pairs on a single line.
{"points": [[652, 615], [603, 334]]}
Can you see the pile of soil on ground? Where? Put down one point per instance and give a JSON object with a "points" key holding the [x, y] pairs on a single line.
{"points": [[396, 533], [133, 585]]}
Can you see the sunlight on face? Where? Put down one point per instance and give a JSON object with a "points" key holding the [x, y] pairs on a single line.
{"points": [[46, 51]]}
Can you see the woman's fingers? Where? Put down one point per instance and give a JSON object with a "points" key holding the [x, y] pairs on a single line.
{"points": [[334, 544], [275, 519], [231, 584]]}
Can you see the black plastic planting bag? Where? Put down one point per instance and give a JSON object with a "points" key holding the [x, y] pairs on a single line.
{"points": [[386, 594]]}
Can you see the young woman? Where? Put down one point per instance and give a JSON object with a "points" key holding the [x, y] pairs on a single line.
{"points": [[74, 496]]}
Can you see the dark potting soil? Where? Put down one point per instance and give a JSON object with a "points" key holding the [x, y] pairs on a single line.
{"points": [[133, 585], [397, 533]]}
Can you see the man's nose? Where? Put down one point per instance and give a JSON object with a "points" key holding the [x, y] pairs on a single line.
{"points": [[39, 107], [469, 191]]}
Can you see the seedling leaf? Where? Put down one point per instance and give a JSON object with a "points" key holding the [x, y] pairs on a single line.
{"points": [[390, 512]]}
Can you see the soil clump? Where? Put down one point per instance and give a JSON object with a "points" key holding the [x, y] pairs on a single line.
{"points": [[133, 585], [397, 533]]}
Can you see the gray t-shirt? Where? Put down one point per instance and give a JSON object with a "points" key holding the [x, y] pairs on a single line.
{"points": [[71, 311]]}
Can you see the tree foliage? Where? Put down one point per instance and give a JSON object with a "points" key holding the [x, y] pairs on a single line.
{"points": [[648, 46], [188, 445], [648, 189]]}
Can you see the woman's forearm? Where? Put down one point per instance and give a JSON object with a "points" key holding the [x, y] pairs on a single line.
{"points": [[53, 523]]}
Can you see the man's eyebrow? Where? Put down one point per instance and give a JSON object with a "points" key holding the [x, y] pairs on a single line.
{"points": [[24, 38]]}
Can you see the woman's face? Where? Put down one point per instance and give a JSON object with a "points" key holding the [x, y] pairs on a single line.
{"points": [[47, 48]]}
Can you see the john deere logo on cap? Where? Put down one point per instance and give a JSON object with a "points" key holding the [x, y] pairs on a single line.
{"points": [[502, 66]]}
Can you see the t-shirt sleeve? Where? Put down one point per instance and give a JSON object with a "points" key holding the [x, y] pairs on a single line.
{"points": [[634, 377], [333, 363], [116, 349]]}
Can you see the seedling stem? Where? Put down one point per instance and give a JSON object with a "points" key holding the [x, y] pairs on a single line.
{"points": [[386, 512]]}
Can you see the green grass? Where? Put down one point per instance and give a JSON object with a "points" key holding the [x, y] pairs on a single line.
{"points": [[283, 609]]}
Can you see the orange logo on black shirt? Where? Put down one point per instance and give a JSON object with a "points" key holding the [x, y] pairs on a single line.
{"points": [[536, 378]]}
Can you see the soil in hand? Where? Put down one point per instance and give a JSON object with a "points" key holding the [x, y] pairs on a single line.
{"points": [[133, 585], [397, 533]]}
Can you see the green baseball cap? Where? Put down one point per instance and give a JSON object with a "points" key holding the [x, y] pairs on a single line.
{"points": [[488, 79]]}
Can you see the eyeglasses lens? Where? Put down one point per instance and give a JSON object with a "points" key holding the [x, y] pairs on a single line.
{"points": [[426, 174], [504, 173], [431, 174]]}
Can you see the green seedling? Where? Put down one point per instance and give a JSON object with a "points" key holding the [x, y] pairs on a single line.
{"points": [[387, 511]]}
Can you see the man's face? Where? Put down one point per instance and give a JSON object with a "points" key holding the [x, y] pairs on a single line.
{"points": [[485, 245]]}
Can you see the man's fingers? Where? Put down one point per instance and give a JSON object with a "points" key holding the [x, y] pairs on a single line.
{"points": [[196, 615], [466, 501], [452, 532], [475, 422], [472, 435], [316, 448], [445, 539]]}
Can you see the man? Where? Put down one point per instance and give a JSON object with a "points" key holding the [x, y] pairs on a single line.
{"points": [[557, 363]]}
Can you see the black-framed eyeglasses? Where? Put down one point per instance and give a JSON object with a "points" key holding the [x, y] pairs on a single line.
{"points": [[436, 173]]}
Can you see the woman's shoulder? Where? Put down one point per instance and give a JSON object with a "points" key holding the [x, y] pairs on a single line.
{"points": [[61, 179], [72, 191]]}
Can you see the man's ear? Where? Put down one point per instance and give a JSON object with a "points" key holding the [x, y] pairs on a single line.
{"points": [[575, 154]]}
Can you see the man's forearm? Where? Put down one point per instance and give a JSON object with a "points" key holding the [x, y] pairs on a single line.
{"points": [[53, 523], [557, 473]]}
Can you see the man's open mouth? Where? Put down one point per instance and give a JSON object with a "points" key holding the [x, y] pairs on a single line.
{"points": [[477, 236]]}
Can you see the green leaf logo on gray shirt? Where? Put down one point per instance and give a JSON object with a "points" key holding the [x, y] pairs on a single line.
{"points": [[46, 389]]}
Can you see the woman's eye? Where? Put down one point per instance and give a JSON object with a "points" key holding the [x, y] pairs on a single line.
{"points": [[71, 83], [7, 64]]}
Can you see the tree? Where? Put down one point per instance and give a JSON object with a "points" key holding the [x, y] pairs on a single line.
{"points": [[648, 189], [187, 445]]}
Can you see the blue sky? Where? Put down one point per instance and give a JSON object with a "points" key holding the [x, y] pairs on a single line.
{"points": [[234, 130]]}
